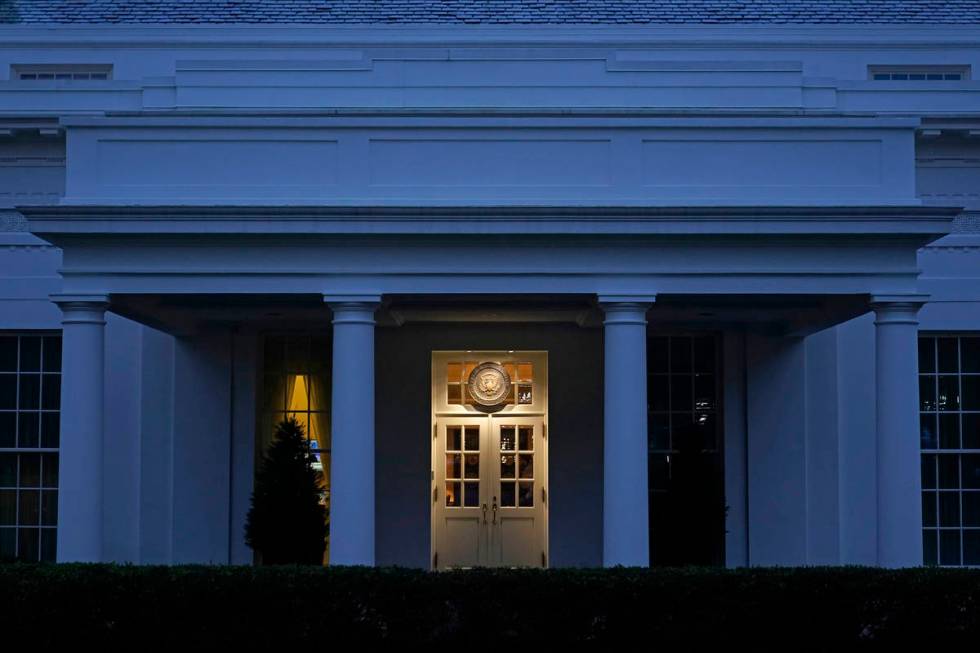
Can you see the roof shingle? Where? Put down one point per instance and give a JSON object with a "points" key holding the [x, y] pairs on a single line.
{"points": [[493, 12]]}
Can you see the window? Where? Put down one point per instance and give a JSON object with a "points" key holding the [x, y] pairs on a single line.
{"points": [[30, 403], [686, 477], [949, 405], [919, 73], [60, 72], [521, 375], [296, 383]]}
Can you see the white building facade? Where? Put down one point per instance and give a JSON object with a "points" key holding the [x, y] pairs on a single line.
{"points": [[541, 294]]}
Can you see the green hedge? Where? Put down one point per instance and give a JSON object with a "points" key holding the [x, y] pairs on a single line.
{"points": [[803, 608]]}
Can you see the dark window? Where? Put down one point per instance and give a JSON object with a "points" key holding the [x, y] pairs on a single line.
{"points": [[30, 404], [686, 466], [949, 417]]}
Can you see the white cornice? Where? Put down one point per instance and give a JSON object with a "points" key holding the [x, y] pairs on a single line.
{"points": [[852, 36]]}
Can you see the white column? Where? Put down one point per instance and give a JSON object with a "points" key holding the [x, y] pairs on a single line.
{"points": [[897, 434], [352, 431], [80, 490], [625, 517]]}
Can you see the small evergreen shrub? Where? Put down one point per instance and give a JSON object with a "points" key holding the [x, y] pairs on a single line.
{"points": [[286, 523]]}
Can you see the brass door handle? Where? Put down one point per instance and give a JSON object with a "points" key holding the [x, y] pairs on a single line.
{"points": [[495, 510], [484, 513]]}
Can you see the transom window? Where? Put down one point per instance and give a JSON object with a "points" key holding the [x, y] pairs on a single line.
{"points": [[949, 405], [521, 376], [60, 72], [924, 73], [30, 405]]}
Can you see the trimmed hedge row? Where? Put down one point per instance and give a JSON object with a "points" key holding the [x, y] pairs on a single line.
{"points": [[809, 608]]}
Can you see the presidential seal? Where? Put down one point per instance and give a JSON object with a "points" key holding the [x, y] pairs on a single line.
{"points": [[489, 384]]}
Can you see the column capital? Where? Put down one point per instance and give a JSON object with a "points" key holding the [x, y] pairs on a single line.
{"points": [[81, 309], [353, 309], [897, 309], [626, 309]]}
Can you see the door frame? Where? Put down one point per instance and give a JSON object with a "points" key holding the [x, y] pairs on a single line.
{"points": [[442, 409]]}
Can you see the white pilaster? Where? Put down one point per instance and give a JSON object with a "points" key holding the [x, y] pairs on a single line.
{"points": [[897, 433], [625, 537], [352, 431], [80, 490]]}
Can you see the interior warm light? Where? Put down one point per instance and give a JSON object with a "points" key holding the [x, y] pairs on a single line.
{"points": [[299, 400]]}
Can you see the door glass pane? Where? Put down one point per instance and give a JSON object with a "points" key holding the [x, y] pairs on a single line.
{"points": [[453, 465], [526, 438], [507, 466], [507, 495], [526, 465], [507, 439], [525, 494], [472, 438], [471, 498], [472, 469], [454, 438], [452, 494]]}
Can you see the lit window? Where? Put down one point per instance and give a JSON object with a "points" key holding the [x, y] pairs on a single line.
{"points": [[521, 376]]}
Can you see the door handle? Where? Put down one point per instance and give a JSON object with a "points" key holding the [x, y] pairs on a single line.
{"points": [[495, 510], [484, 513]]}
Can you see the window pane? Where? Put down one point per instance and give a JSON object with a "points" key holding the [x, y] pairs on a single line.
{"points": [[28, 540], [948, 355], [8, 470], [949, 471], [971, 431], [971, 471], [971, 547], [971, 392], [929, 553], [949, 547], [927, 355], [49, 541], [8, 430], [8, 391], [927, 392], [29, 508], [971, 508], [8, 353], [50, 425], [30, 354], [471, 497], [928, 508], [928, 471], [51, 392], [949, 431], [49, 470], [30, 470], [8, 507], [28, 430], [525, 494], [52, 354], [454, 438], [949, 509], [453, 465], [970, 355], [508, 495], [30, 392], [948, 397]]}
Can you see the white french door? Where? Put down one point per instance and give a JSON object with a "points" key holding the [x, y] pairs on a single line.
{"points": [[489, 490]]}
